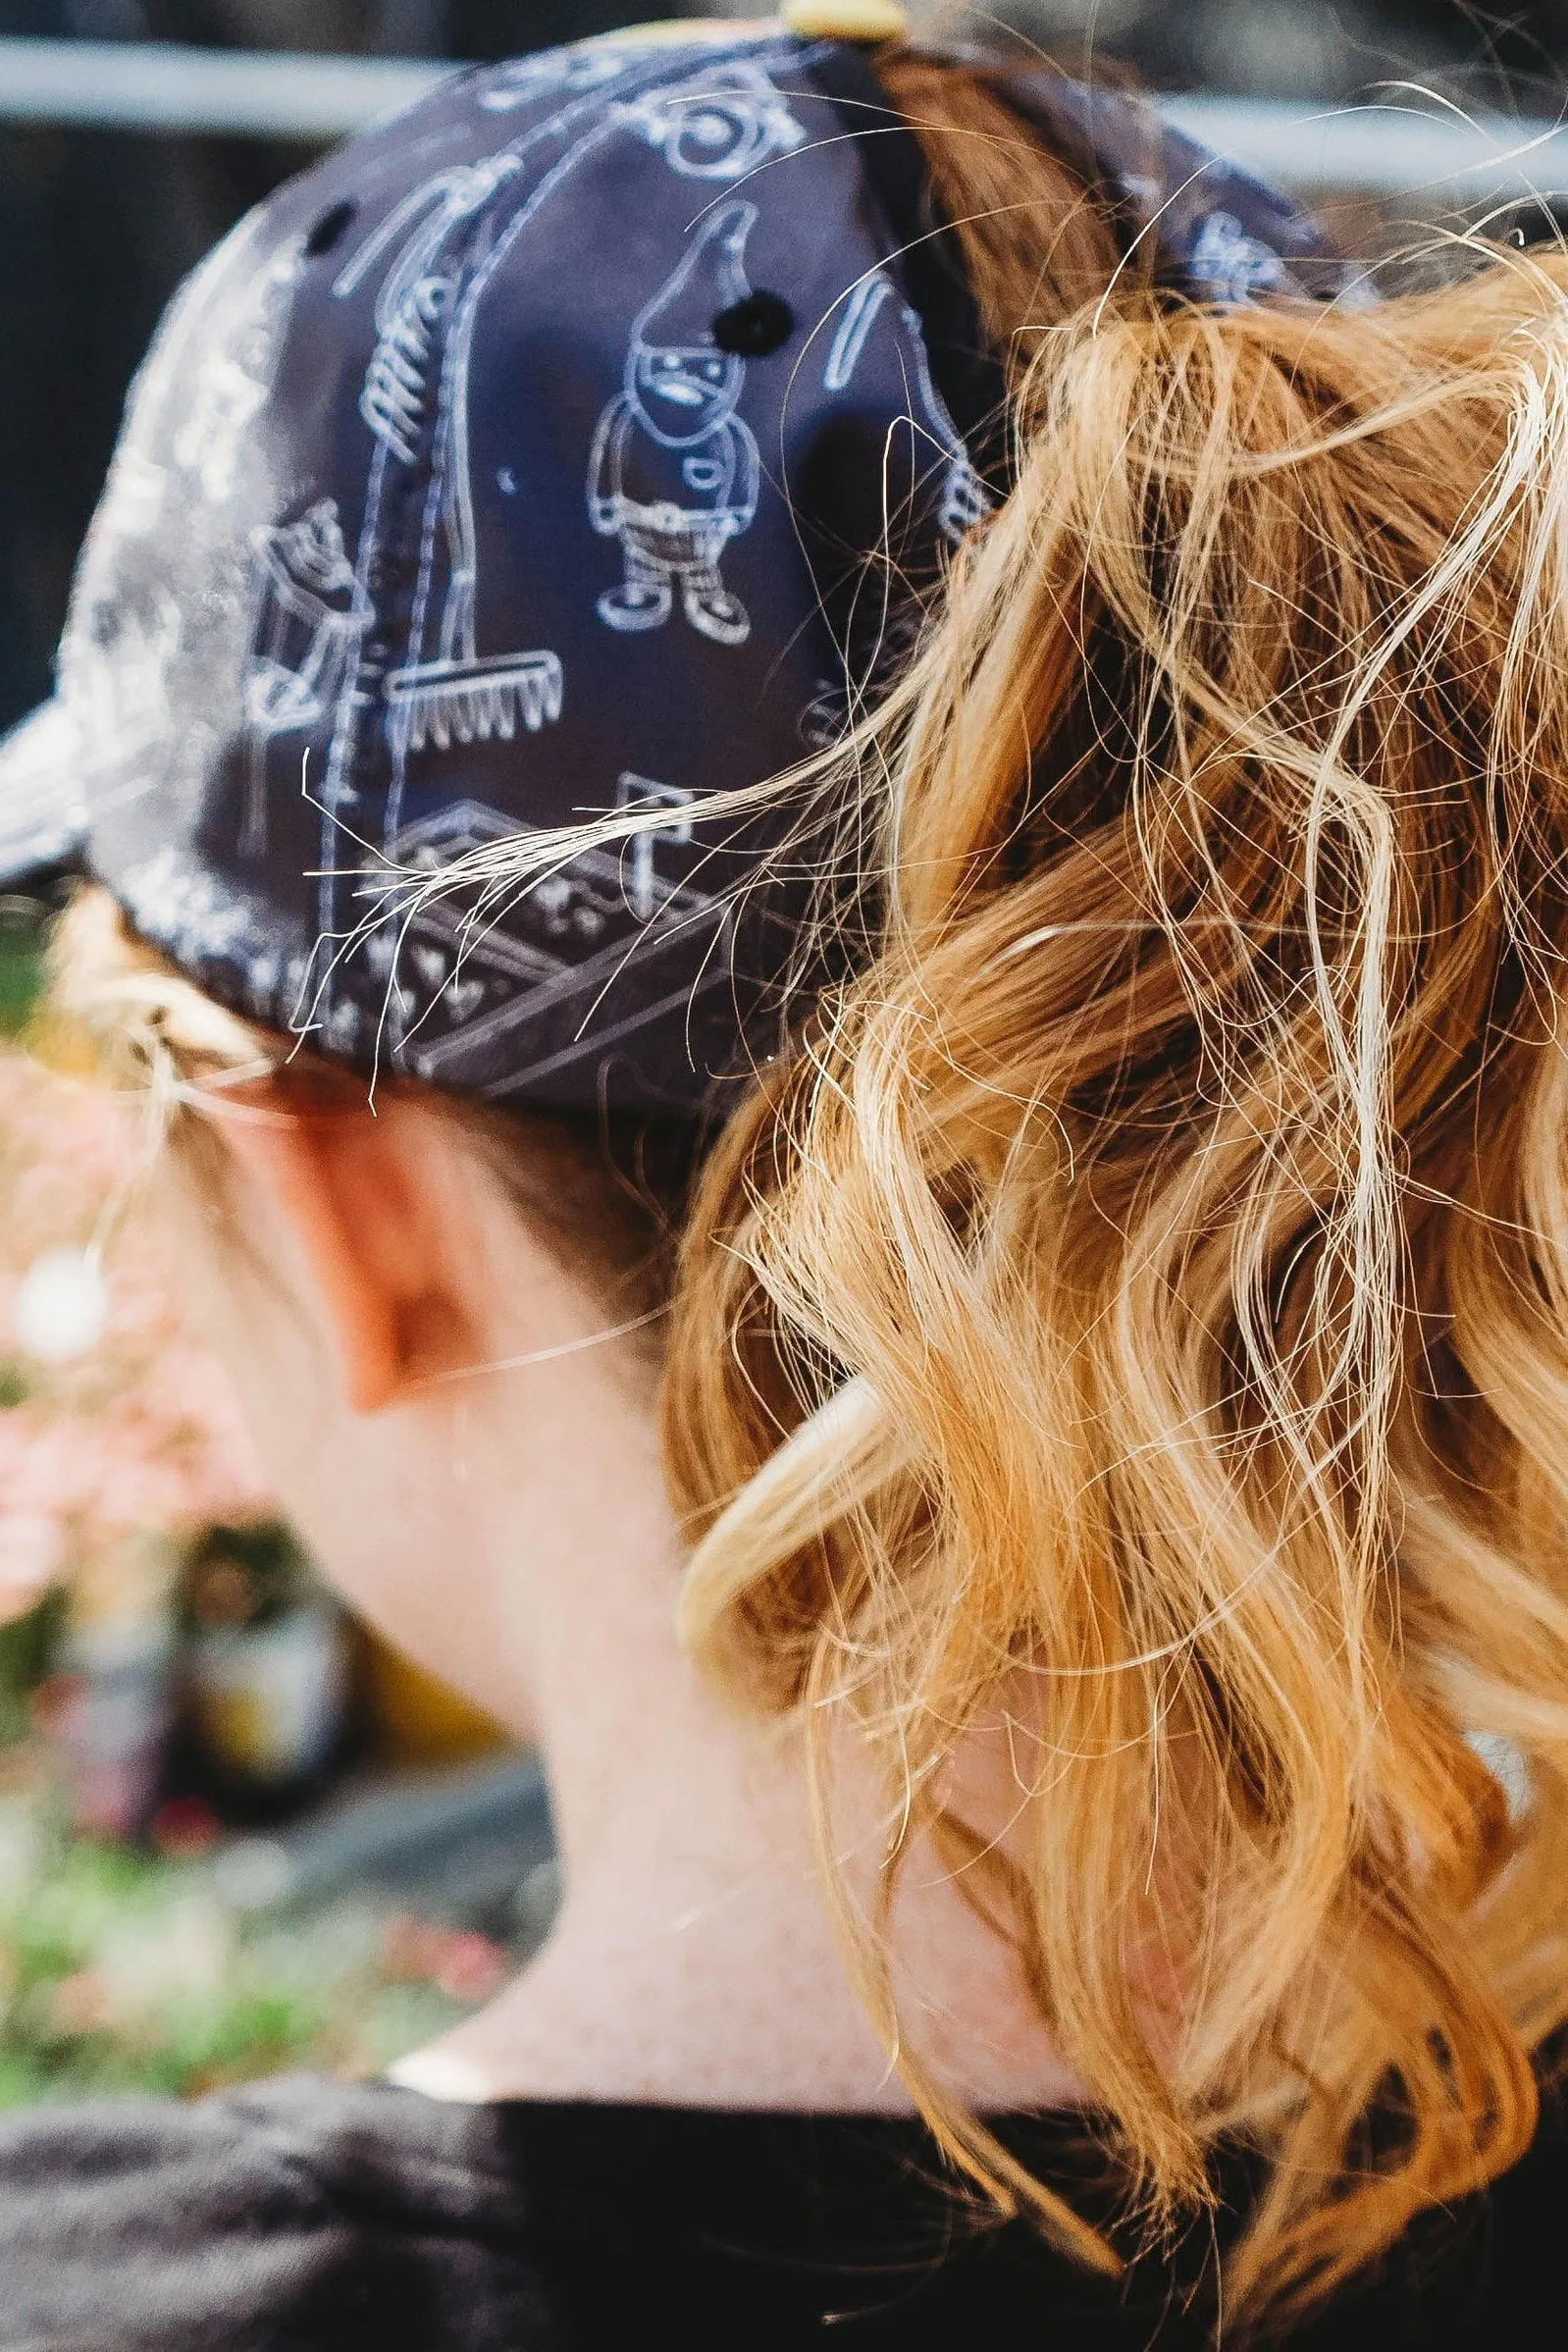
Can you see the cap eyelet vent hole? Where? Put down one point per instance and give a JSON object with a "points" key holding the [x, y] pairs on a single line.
{"points": [[754, 326], [330, 228]]}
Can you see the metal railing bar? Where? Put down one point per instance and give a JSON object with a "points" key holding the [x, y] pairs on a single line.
{"points": [[1393, 148], [1389, 149], [134, 86]]}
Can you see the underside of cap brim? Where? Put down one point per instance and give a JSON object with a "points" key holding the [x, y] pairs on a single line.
{"points": [[43, 809]]}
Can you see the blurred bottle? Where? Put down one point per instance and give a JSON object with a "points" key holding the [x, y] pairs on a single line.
{"points": [[415, 1719], [264, 1673]]}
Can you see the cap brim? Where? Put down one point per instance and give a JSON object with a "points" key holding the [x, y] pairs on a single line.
{"points": [[43, 809]]}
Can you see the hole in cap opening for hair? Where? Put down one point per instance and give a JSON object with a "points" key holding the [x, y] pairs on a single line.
{"points": [[753, 326], [330, 228]]}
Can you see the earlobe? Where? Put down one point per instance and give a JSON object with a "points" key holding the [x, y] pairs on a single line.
{"points": [[334, 1181]]}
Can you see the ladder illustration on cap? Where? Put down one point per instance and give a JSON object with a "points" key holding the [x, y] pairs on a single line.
{"points": [[459, 695]]}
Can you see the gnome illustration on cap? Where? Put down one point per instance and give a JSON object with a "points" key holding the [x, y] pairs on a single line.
{"points": [[673, 470]]}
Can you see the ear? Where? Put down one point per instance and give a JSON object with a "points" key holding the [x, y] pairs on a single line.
{"points": [[362, 1194]]}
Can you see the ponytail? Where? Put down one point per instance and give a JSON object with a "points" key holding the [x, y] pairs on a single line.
{"points": [[1138, 1315]]}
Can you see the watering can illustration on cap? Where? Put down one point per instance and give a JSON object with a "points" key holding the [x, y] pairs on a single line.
{"points": [[311, 617]]}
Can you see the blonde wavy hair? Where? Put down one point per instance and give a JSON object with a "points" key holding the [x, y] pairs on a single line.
{"points": [[1137, 1315]]}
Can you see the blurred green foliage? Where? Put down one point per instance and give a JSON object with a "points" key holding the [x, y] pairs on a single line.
{"points": [[23, 929], [27, 1645], [121, 1971]]}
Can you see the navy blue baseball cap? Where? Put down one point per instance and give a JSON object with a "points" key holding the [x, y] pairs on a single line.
{"points": [[552, 450]]}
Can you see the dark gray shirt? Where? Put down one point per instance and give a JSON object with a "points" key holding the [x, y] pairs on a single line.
{"points": [[307, 2217]]}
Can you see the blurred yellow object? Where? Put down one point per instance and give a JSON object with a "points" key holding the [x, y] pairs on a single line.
{"points": [[417, 1719], [845, 20], [59, 1043], [266, 1699]]}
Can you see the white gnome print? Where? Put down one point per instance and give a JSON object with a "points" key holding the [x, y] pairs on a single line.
{"points": [[673, 472]]}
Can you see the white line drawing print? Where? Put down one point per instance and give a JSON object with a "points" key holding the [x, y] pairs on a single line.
{"points": [[415, 294], [311, 618], [849, 340], [633, 790], [122, 635], [459, 694], [408, 312], [526, 79], [235, 380], [673, 471], [566, 940], [719, 126], [171, 898], [1232, 265], [965, 500], [443, 248], [715, 126], [114, 675], [124, 627]]}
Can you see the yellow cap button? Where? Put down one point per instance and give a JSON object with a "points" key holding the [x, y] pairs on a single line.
{"points": [[845, 20]]}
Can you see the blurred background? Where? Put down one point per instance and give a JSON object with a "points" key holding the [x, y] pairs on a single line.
{"points": [[237, 1832]]}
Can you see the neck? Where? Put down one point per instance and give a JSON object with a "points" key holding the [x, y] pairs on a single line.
{"points": [[692, 1962]]}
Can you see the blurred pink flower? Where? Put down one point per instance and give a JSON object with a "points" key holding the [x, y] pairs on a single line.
{"points": [[80, 2005], [141, 1432], [459, 1961], [185, 1828], [31, 1555]]}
